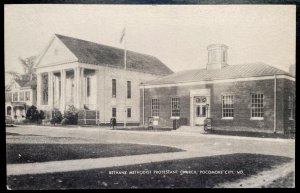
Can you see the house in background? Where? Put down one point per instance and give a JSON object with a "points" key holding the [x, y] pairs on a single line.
{"points": [[247, 97], [19, 96], [91, 76]]}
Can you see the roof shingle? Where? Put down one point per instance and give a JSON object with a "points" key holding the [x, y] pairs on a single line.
{"points": [[228, 72], [98, 54]]}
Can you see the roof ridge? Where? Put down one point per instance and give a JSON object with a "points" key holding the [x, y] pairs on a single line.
{"points": [[109, 46]]}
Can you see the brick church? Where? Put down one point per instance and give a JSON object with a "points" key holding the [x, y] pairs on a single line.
{"points": [[248, 97]]}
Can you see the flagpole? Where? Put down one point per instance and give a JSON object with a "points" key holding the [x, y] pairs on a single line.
{"points": [[125, 67]]}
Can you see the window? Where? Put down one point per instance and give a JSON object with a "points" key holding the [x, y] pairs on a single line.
{"points": [[88, 86], [15, 96], [227, 106], [224, 56], [213, 57], [21, 96], [114, 88], [291, 107], [175, 107], [8, 97], [128, 112], [128, 89], [44, 89], [27, 95], [155, 107], [114, 112], [257, 105], [59, 89], [201, 111]]}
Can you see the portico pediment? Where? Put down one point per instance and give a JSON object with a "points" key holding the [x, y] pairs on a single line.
{"points": [[56, 53]]}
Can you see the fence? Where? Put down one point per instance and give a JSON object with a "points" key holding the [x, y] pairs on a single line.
{"points": [[88, 117]]}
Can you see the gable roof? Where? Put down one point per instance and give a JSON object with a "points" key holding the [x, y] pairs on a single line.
{"points": [[22, 84], [98, 54], [227, 72]]}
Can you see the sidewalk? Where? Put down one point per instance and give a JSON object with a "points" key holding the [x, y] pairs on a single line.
{"points": [[98, 163], [164, 133]]}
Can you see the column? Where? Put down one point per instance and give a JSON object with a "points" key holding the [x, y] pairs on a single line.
{"points": [[80, 87], [77, 90], [38, 90], [50, 90], [63, 87]]}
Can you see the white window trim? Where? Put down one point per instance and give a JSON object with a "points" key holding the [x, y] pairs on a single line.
{"points": [[291, 117], [130, 112], [174, 117], [127, 89], [257, 118], [13, 100], [112, 111], [228, 118], [232, 108], [22, 92], [152, 109]]}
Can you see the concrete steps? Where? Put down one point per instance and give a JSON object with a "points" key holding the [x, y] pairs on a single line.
{"points": [[190, 129]]}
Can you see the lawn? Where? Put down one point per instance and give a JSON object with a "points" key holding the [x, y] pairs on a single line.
{"points": [[249, 164], [252, 134], [38, 152]]}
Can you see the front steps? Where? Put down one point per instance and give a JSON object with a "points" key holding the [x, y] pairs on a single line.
{"points": [[190, 129]]}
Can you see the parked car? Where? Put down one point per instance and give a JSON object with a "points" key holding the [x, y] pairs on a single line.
{"points": [[9, 121]]}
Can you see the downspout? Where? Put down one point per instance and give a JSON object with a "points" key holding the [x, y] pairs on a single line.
{"points": [[275, 98], [143, 105]]}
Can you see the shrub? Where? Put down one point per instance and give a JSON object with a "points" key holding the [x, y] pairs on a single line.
{"points": [[33, 115], [56, 117], [70, 117]]}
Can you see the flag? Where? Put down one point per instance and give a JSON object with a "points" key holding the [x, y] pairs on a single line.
{"points": [[123, 34]]}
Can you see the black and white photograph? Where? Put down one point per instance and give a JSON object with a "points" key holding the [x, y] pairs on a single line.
{"points": [[107, 96]]}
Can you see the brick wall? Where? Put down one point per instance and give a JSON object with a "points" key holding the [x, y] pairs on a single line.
{"points": [[241, 91]]}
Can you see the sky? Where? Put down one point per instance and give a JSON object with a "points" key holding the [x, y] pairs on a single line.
{"points": [[178, 35]]}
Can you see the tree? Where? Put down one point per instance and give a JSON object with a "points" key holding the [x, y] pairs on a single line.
{"points": [[28, 66]]}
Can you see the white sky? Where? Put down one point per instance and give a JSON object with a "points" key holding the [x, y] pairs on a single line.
{"points": [[177, 35]]}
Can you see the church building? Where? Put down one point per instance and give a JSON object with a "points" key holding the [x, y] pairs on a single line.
{"points": [[90, 76]]}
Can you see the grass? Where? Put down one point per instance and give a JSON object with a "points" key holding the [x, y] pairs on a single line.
{"points": [[283, 182], [29, 153], [251, 134], [250, 164]]}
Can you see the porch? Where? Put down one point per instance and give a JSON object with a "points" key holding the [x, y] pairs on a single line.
{"points": [[59, 89]]}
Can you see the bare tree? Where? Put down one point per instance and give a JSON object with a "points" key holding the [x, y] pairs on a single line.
{"points": [[28, 66]]}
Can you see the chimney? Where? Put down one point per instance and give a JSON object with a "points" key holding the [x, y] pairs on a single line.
{"points": [[217, 56]]}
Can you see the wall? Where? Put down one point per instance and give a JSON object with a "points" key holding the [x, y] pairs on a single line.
{"points": [[105, 100], [242, 97]]}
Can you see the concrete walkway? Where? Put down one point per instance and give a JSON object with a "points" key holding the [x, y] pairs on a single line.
{"points": [[97, 163]]}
